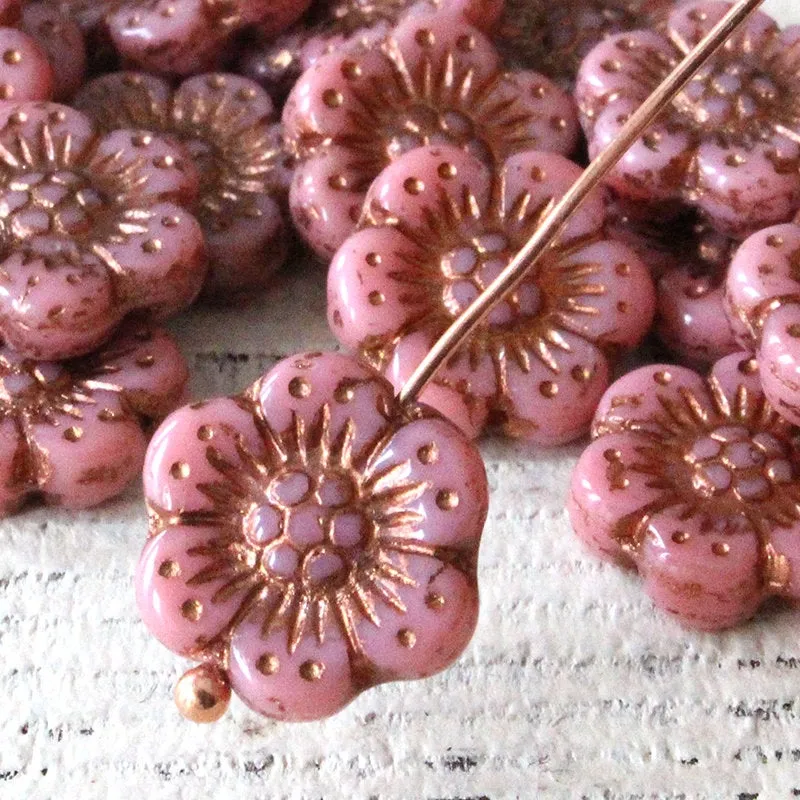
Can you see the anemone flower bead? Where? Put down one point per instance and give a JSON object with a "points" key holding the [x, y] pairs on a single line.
{"points": [[439, 226], [729, 144], [310, 539], [73, 434], [94, 230], [435, 80], [227, 123], [695, 482]]}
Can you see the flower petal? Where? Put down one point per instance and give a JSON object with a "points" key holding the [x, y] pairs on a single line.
{"points": [[178, 603], [626, 66], [762, 269], [368, 300], [325, 199], [609, 497], [145, 366], [156, 168], [452, 507], [90, 458], [28, 74], [533, 181], [734, 373], [462, 390], [548, 408], [161, 266], [708, 580], [429, 188], [245, 251], [440, 616], [779, 361], [616, 300], [691, 316], [174, 36], [655, 166], [636, 401], [298, 389], [51, 308], [313, 682], [785, 543], [744, 189], [177, 462]]}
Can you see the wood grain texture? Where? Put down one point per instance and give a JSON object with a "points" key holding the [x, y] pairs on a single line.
{"points": [[574, 686]]}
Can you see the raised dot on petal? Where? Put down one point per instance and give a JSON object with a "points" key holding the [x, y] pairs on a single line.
{"points": [[351, 70], [192, 610], [145, 361], [377, 298], [268, 664], [73, 434], [12, 57], [735, 160], [373, 259], [164, 162], [312, 671], [6, 91], [623, 270], [428, 454], [794, 330], [720, 548], [749, 366], [151, 246], [169, 569], [773, 240], [663, 377], [435, 601], [680, 537], [407, 638], [424, 37], [180, 470], [299, 387], [413, 186], [581, 374], [447, 170], [205, 433], [548, 389], [538, 174], [447, 500], [344, 392], [332, 98]]}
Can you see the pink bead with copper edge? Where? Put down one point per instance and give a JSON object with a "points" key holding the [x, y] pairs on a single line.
{"points": [[438, 227], [25, 71], [690, 262], [73, 434], [95, 230], [351, 115], [228, 124], [62, 40], [696, 484], [763, 303], [186, 36], [729, 145], [311, 539], [553, 37]]}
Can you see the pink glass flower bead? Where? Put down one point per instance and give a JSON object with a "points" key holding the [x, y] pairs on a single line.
{"points": [[696, 484], [25, 71], [94, 230], [62, 40], [690, 262], [188, 36], [227, 123], [438, 227], [311, 539], [73, 434], [729, 144], [763, 303], [436, 80]]}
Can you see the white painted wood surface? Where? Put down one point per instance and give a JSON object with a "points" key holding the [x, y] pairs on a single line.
{"points": [[574, 686]]}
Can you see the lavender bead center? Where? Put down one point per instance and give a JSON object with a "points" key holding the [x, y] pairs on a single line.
{"points": [[731, 460]]}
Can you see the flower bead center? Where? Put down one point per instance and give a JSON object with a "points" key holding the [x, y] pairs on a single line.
{"points": [[731, 461], [311, 529], [422, 125], [468, 271], [734, 98]]}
